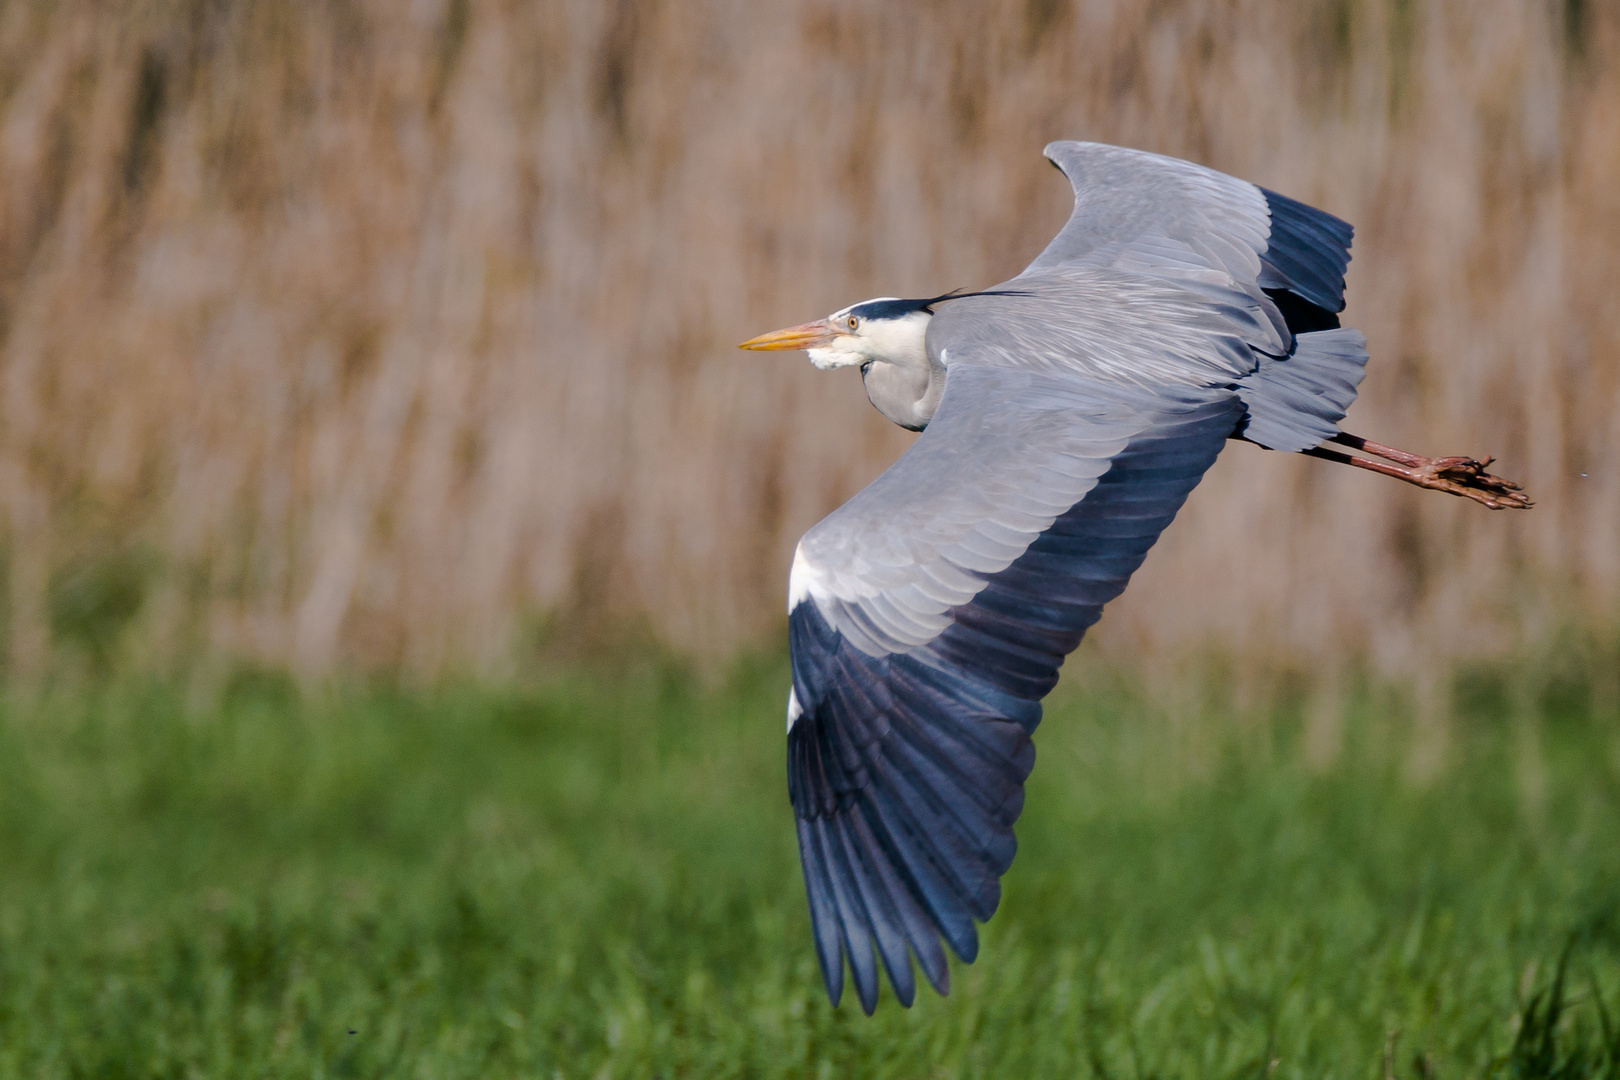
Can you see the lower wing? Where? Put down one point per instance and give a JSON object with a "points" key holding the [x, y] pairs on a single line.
{"points": [[930, 615]]}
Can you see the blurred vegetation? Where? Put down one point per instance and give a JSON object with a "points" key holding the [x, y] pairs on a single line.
{"points": [[364, 340], [93, 601], [370, 335], [596, 877]]}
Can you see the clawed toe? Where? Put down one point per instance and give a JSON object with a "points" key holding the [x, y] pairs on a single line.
{"points": [[1467, 477]]}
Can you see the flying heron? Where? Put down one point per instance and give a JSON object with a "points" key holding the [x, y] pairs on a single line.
{"points": [[1065, 416]]}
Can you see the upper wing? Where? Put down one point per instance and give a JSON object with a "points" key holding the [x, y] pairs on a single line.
{"points": [[1158, 215], [1148, 218], [928, 617]]}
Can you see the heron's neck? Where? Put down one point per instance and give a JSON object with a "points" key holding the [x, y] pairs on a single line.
{"points": [[901, 381]]}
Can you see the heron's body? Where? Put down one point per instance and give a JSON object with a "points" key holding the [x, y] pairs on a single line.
{"points": [[1065, 415]]}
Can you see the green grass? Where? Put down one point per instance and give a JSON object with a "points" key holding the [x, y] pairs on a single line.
{"points": [[598, 878]]}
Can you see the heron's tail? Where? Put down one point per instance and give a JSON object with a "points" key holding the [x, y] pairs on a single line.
{"points": [[1296, 402]]}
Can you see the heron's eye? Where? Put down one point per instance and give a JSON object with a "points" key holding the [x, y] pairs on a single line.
{"points": [[853, 322]]}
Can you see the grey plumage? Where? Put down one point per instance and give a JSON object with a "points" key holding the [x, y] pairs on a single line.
{"points": [[1082, 401]]}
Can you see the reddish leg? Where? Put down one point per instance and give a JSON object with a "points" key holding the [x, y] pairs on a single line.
{"points": [[1455, 475]]}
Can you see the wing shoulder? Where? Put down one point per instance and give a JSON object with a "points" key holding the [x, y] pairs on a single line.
{"points": [[1146, 211]]}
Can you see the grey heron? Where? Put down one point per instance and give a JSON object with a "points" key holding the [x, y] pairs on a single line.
{"points": [[1065, 415]]}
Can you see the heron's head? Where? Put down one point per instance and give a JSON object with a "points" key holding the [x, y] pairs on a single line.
{"points": [[885, 330]]}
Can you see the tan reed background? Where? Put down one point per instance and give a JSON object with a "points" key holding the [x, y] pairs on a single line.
{"points": [[383, 336]]}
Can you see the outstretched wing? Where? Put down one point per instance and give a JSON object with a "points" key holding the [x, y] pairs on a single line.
{"points": [[928, 617], [1158, 215], [1157, 218]]}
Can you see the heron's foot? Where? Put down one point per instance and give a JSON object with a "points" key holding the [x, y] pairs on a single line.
{"points": [[1467, 478], [1461, 476]]}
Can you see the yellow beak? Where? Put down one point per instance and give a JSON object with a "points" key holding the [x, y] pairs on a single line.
{"points": [[810, 335]]}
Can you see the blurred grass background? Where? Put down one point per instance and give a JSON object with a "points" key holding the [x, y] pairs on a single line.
{"points": [[383, 511], [597, 877], [396, 337]]}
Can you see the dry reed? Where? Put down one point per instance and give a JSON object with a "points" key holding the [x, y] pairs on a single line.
{"points": [[373, 335]]}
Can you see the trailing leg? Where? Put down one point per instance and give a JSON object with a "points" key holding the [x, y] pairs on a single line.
{"points": [[1461, 476]]}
